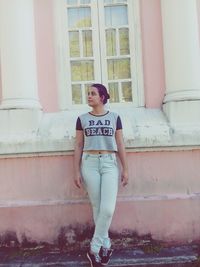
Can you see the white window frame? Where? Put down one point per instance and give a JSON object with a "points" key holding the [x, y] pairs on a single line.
{"points": [[62, 51]]}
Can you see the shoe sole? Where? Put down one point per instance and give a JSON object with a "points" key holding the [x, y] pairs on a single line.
{"points": [[90, 260]]}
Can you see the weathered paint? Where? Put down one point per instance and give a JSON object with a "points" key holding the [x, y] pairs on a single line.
{"points": [[38, 197], [168, 220]]}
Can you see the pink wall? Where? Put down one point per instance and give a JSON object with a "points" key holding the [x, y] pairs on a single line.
{"points": [[42, 178], [175, 220], [41, 189], [46, 70], [153, 62]]}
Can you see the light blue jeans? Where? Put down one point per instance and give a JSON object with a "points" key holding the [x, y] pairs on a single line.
{"points": [[100, 176]]}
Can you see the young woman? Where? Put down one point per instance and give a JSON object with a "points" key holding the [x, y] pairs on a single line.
{"points": [[98, 139]]}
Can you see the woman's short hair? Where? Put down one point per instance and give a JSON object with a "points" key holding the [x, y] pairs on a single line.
{"points": [[102, 91]]}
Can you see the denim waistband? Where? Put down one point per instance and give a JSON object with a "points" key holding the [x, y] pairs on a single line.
{"points": [[107, 155]]}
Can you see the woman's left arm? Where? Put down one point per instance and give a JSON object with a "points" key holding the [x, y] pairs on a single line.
{"points": [[122, 156]]}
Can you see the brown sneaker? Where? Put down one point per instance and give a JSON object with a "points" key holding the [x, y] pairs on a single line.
{"points": [[94, 259], [105, 255]]}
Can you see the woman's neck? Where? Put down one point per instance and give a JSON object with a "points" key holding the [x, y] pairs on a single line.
{"points": [[98, 110]]}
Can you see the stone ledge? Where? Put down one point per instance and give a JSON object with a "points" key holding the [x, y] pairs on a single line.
{"points": [[26, 132]]}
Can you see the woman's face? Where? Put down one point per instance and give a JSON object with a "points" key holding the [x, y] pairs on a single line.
{"points": [[94, 98]]}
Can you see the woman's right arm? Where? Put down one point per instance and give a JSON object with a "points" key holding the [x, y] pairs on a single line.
{"points": [[78, 150]]}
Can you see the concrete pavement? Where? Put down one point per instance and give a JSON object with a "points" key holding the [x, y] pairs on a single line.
{"points": [[42, 256]]}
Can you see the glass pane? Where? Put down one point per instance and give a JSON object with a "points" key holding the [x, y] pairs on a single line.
{"points": [[79, 17], [85, 2], [76, 94], [127, 92], [87, 43], [118, 69], [87, 86], [108, 1], [111, 42], [114, 1], [74, 44], [124, 41], [72, 2], [82, 70], [116, 16], [114, 92]]}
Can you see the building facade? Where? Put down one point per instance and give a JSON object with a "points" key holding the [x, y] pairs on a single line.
{"points": [[148, 55]]}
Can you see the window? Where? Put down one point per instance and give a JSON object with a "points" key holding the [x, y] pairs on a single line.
{"points": [[100, 44]]}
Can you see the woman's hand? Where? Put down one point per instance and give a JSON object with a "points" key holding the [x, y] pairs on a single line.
{"points": [[122, 156], [78, 179], [78, 150], [124, 177]]}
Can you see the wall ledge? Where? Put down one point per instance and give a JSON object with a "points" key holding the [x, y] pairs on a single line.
{"points": [[30, 132], [85, 201]]}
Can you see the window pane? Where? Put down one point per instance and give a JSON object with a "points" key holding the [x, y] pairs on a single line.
{"points": [[121, 1], [76, 94], [82, 70], [124, 41], [108, 1], [71, 2], [127, 92], [114, 1], [74, 44], [87, 86], [118, 69], [114, 92], [116, 16], [111, 42], [87, 43], [85, 1], [75, 2], [79, 17]]}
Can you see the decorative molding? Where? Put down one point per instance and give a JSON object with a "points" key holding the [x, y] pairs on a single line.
{"points": [[20, 103], [187, 94], [85, 201]]}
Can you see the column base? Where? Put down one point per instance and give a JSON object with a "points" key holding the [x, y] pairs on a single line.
{"points": [[19, 123], [184, 114], [20, 103], [183, 95]]}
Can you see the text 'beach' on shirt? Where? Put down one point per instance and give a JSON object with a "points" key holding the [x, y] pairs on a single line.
{"points": [[99, 130]]}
